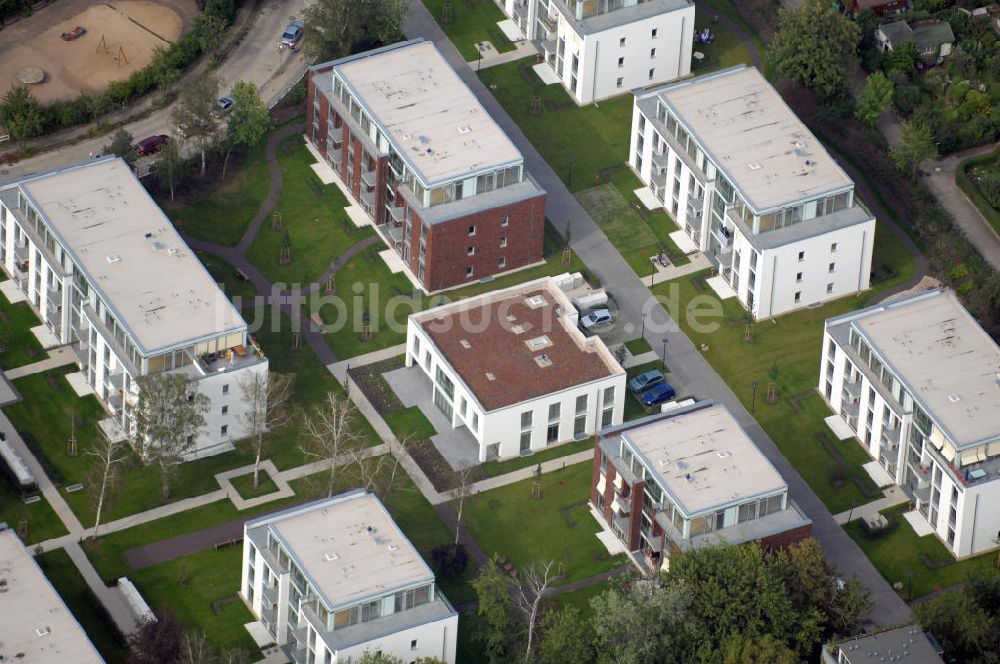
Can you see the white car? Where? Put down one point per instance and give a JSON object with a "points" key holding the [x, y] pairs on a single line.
{"points": [[596, 318]]}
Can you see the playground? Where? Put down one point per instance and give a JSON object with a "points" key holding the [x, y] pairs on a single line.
{"points": [[117, 39]]}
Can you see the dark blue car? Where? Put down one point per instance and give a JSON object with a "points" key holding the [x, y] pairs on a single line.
{"points": [[657, 394]]}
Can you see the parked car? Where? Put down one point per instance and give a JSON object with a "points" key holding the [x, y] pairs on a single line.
{"points": [[151, 144], [596, 318], [292, 35], [657, 394], [646, 380], [224, 105]]}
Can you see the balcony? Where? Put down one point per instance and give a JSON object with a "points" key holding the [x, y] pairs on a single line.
{"points": [[368, 199], [891, 436], [269, 614], [724, 236], [398, 213], [550, 23], [660, 159], [269, 593], [368, 177], [21, 257], [393, 232], [850, 408], [335, 136], [335, 155], [624, 504], [521, 9], [853, 388], [659, 179]]}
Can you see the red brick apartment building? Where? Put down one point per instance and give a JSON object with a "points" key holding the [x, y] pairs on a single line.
{"points": [[685, 478], [445, 187]]}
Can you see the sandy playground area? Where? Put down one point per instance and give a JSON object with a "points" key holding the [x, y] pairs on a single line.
{"points": [[131, 30]]}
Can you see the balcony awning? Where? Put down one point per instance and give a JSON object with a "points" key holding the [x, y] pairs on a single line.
{"points": [[616, 506], [619, 481], [601, 484]]}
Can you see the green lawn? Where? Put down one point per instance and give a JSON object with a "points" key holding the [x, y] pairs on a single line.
{"points": [[220, 212], [69, 583], [472, 21], [313, 216], [225, 275], [638, 346], [794, 341], [244, 485], [410, 423], [497, 468], [508, 522], [18, 346], [897, 553], [43, 523], [726, 50], [581, 598]]}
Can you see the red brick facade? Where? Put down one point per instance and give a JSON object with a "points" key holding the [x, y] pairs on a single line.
{"points": [[505, 238]]}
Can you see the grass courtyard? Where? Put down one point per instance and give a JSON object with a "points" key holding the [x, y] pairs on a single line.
{"points": [[18, 346], [471, 22], [900, 551], [509, 522], [793, 341]]}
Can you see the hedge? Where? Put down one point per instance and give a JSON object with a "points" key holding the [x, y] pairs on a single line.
{"points": [[966, 184]]}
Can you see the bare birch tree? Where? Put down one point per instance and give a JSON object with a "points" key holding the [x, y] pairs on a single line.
{"points": [[330, 432], [168, 415], [528, 591], [109, 455], [265, 399], [466, 478]]}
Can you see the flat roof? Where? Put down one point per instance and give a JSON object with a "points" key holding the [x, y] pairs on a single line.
{"points": [[908, 645], [131, 253], [947, 360], [517, 344], [36, 621], [749, 132], [349, 547], [435, 122], [703, 458], [617, 18]]}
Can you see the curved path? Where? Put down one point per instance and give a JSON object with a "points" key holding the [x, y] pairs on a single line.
{"points": [[287, 301]]}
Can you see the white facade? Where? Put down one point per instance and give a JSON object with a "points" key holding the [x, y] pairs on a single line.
{"points": [[335, 578], [527, 421], [109, 276], [762, 199], [602, 48], [917, 421]]}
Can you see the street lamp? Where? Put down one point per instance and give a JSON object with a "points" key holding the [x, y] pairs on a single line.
{"points": [[643, 324], [753, 399], [569, 177], [909, 590], [665, 353], [854, 504]]}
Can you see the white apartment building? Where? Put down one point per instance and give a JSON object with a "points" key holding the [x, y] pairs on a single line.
{"points": [[754, 190], [334, 578], [37, 626], [602, 48], [513, 367], [109, 276], [918, 381]]}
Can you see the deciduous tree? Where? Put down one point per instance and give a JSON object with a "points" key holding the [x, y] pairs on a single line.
{"points": [[194, 115], [171, 166], [567, 636], [642, 621], [121, 146], [874, 99], [529, 590], [108, 455], [21, 114], [496, 610], [916, 148], [334, 28], [168, 414], [330, 431], [249, 121], [265, 399], [814, 45], [156, 641]]}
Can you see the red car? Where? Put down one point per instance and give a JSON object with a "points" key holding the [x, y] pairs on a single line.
{"points": [[151, 145]]}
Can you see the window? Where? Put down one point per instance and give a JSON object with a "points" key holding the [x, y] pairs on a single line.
{"points": [[554, 412], [525, 420], [552, 434], [581, 404], [833, 248], [475, 422], [653, 33], [798, 296], [225, 389], [621, 43], [833, 266], [652, 53], [472, 230], [468, 272], [798, 278], [652, 72], [225, 410], [802, 256], [501, 263], [471, 251], [413, 644], [505, 222], [619, 82], [503, 241], [829, 288], [621, 61], [224, 430]]}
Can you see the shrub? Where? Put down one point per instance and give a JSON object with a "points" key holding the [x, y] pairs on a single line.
{"points": [[451, 560]]}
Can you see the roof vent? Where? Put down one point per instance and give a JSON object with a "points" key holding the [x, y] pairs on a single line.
{"points": [[543, 360], [517, 329], [159, 245], [754, 165], [114, 258], [464, 129], [393, 547], [955, 398], [330, 556], [538, 343], [147, 235], [42, 631], [3, 586], [724, 454], [681, 465], [465, 343], [490, 376], [688, 477], [800, 144], [535, 301]]}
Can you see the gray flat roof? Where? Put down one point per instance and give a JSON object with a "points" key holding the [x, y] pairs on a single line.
{"points": [[803, 230], [619, 17], [428, 112], [158, 288], [515, 193], [349, 547], [704, 458], [947, 361], [909, 645], [35, 620], [749, 132]]}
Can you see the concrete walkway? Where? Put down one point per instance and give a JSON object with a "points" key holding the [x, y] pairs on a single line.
{"points": [[524, 49], [698, 263], [940, 179], [689, 368], [893, 496], [58, 357]]}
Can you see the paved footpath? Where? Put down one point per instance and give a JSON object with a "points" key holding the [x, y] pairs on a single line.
{"points": [[686, 362], [58, 357]]}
